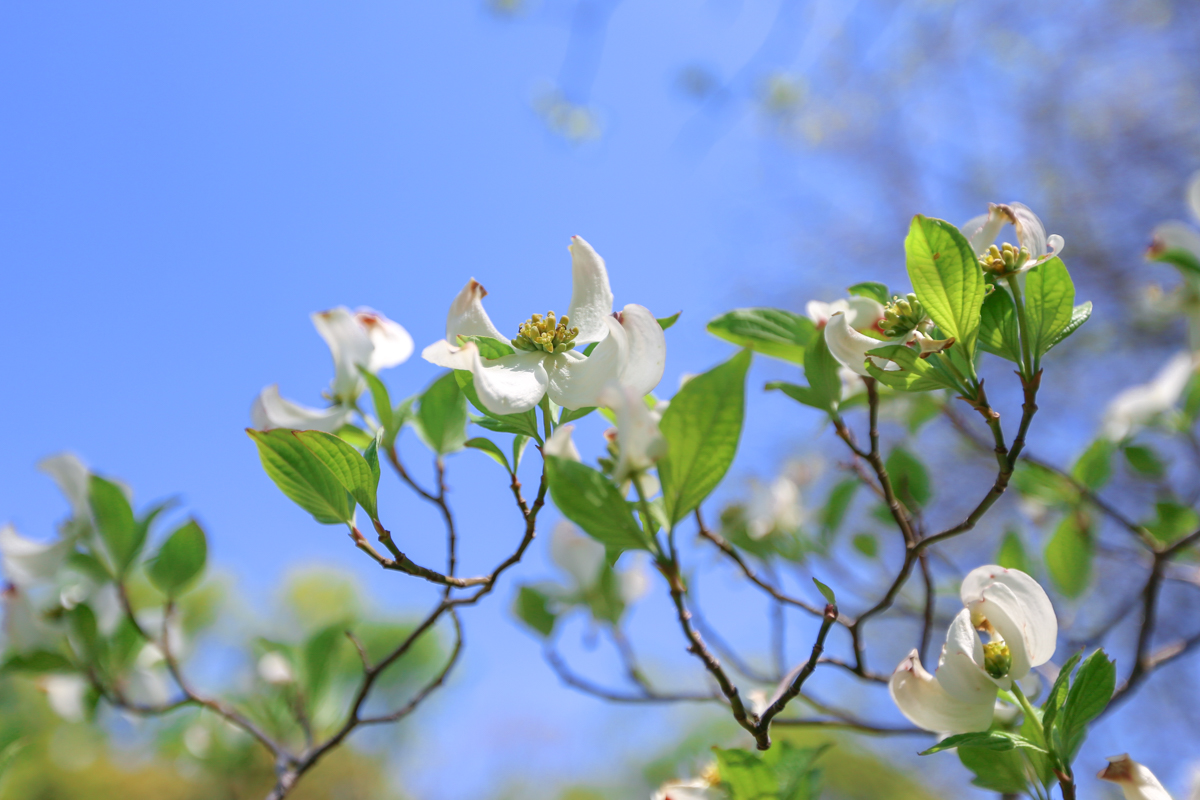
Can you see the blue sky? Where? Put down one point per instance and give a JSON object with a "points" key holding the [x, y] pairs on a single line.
{"points": [[184, 183]]}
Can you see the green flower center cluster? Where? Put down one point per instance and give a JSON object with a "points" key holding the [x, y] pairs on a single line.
{"points": [[902, 315], [1003, 260], [997, 659], [545, 334]]}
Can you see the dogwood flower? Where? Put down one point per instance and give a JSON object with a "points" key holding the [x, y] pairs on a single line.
{"points": [[1034, 246], [1178, 241], [582, 557], [694, 789], [861, 312], [27, 562], [1136, 781], [561, 445], [72, 477], [639, 442], [774, 506], [547, 357], [1138, 405], [1016, 613], [363, 338], [65, 694], [274, 669]]}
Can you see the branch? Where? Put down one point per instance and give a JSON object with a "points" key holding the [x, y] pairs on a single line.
{"points": [[646, 695]]}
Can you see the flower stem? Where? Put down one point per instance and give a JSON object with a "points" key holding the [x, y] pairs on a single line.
{"points": [[1023, 326]]}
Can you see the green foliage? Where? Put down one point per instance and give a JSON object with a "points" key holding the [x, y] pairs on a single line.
{"points": [[123, 538], [1091, 690], [1094, 467], [84, 636], [442, 415], [770, 331], [821, 370], [996, 771], [909, 477], [180, 560], [346, 464], [826, 592], [915, 374], [834, 512], [591, 501], [986, 740], [998, 330], [1143, 460], [390, 419], [490, 448], [785, 772], [947, 279], [866, 543], [876, 291], [1046, 486], [303, 477], [667, 322], [1184, 259], [1079, 315], [1049, 304], [524, 424], [702, 426], [1172, 521], [489, 347], [532, 606], [1069, 554], [1012, 554], [1056, 698]]}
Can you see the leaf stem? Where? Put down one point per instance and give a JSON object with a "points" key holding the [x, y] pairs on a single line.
{"points": [[1027, 365]]}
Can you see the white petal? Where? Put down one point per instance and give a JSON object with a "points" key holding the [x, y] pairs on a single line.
{"points": [[863, 312], [24, 629], [65, 695], [1193, 195], [392, 344], [1018, 608], [272, 411], [449, 355], [685, 790], [1175, 236], [72, 478], [820, 312], [981, 231], [634, 580], [275, 669], [1031, 233], [467, 317], [927, 705], [591, 297], [1137, 782], [847, 345], [577, 381], [350, 345], [647, 356], [1138, 405], [580, 556], [509, 385], [961, 672], [560, 444], [638, 437], [27, 562]]}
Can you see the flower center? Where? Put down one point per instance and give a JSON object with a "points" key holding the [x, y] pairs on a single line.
{"points": [[545, 334], [1003, 260], [902, 315], [997, 659]]}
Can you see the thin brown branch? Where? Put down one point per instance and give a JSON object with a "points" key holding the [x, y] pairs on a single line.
{"points": [[761, 732], [647, 693], [436, 682]]}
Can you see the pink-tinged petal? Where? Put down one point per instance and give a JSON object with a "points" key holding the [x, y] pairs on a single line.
{"points": [[847, 345], [820, 312], [926, 704], [72, 477], [26, 562], [1193, 195], [509, 385], [391, 342], [1137, 782], [863, 312], [591, 296], [579, 556], [561, 445], [350, 345], [647, 356], [1018, 609], [272, 411], [638, 438], [961, 671], [467, 317], [577, 381], [1174, 236], [450, 356]]}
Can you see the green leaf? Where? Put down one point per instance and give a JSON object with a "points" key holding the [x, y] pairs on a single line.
{"points": [[987, 740], [947, 279], [1049, 303], [826, 592], [1172, 521], [532, 606], [770, 331], [489, 348], [1094, 467], [834, 512], [916, 374], [821, 370], [180, 560], [320, 654], [591, 501], [382, 402], [1079, 315], [442, 415], [1012, 553], [1069, 554], [490, 448], [909, 477], [572, 414], [702, 426], [801, 394], [38, 662], [371, 456], [1044, 485], [123, 537], [124, 646], [876, 291], [1057, 696], [524, 423], [8, 753], [85, 637], [785, 772], [347, 465], [998, 331], [997, 772], [666, 322], [518, 450], [1090, 693], [302, 476], [1187, 261], [1144, 461]]}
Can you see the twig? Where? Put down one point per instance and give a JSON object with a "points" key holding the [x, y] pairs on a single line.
{"points": [[646, 695]]}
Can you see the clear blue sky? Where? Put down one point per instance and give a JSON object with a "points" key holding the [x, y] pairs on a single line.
{"points": [[182, 184]]}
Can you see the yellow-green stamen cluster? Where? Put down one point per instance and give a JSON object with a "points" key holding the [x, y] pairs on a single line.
{"points": [[997, 659], [902, 315], [1003, 260], [546, 334]]}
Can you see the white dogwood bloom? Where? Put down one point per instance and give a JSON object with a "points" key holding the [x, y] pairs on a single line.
{"points": [[561, 445], [548, 359], [363, 338], [1016, 613], [694, 789], [26, 562], [1136, 406], [275, 669], [1136, 781], [850, 347], [579, 556], [774, 506], [639, 441], [1180, 236], [1032, 240], [72, 477], [65, 694], [861, 312]]}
